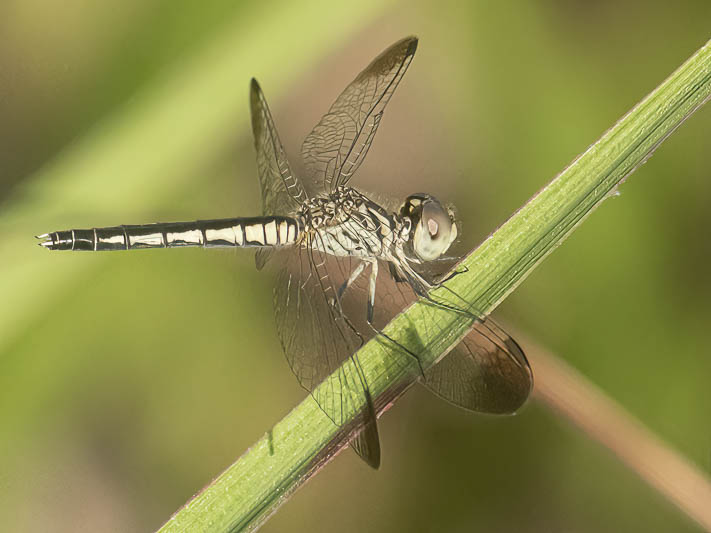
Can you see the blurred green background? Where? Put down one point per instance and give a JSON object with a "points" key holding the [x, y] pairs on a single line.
{"points": [[128, 381]]}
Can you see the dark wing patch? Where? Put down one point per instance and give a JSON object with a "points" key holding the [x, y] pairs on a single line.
{"points": [[486, 372]]}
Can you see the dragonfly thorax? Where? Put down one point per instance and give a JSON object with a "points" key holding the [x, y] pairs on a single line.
{"points": [[347, 223]]}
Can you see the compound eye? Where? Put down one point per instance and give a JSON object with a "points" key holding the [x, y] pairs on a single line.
{"points": [[434, 233]]}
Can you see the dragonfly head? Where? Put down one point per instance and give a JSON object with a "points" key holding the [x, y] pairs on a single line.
{"points": [[433, 228]]}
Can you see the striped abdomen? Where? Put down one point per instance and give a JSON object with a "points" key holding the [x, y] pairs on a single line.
{"points": [[228, 232]]}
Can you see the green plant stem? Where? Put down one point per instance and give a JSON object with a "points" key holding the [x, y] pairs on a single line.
{"points": [[247, 492]]}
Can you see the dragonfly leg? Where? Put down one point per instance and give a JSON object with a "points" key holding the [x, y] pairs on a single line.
{"points": [[354, 276], [464, 270], [370, 313], [400, 347], [371, 290], [371, 306], [422, 288]]}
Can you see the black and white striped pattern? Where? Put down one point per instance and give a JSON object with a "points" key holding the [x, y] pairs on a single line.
{"points": [[230, 232], [347, 223]]}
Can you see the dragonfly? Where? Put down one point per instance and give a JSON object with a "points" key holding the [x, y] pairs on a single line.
{"points": [[347, 261]]}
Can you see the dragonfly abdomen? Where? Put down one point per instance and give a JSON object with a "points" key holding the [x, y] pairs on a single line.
{"points": [[229, 232]]}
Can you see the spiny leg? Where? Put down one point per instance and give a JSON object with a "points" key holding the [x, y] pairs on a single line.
{"points": [[453, 274], [423, 288], [493, 337], [354, 275], [371, 305], [371, 290], [370, 313]]}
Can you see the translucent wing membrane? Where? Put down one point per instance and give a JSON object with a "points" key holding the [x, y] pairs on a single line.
{"points": [[486, 372], [336, 147], [323, 302], [327, 305], [282, 192], [319, 340]]}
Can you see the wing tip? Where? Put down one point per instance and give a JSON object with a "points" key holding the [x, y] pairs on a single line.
{"points": [[367, 445], [254, 89], [374, 462], [411, 41], [255, 105]]}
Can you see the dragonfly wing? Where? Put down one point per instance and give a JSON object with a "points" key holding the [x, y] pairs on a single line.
{"points": [[486, 372], [367, 443], [319, 340], [282, 192], [336, 147]]}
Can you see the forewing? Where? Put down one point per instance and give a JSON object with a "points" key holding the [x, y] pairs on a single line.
{"points": [[486, 372], [282, 193], [336, 147], [318, 340]]}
